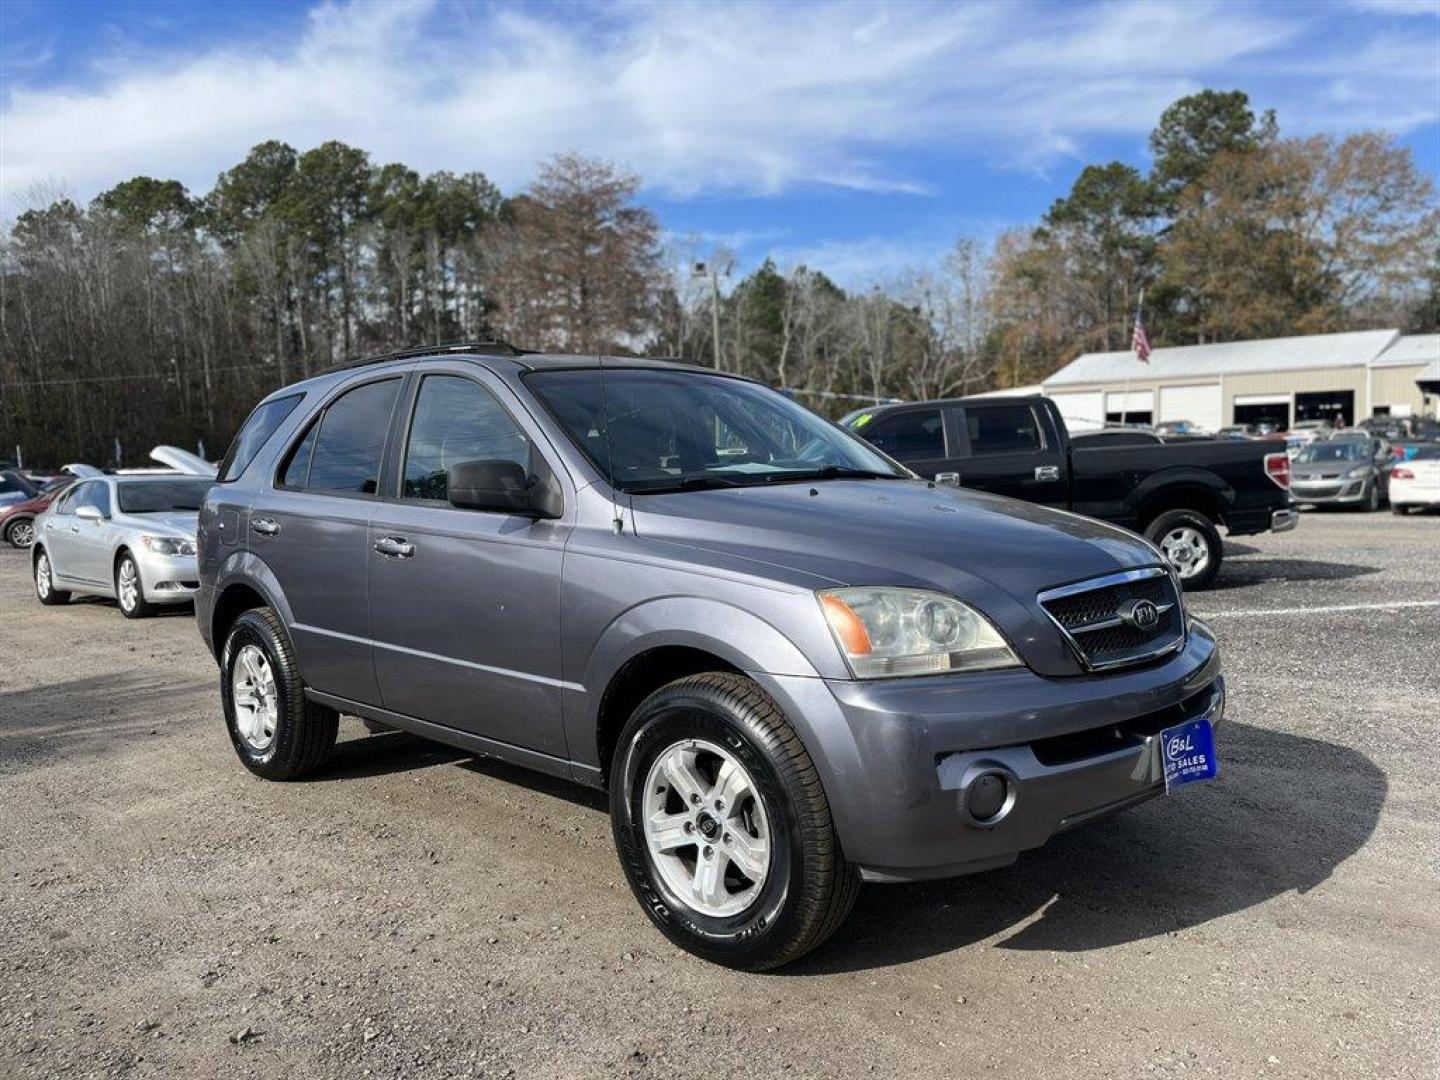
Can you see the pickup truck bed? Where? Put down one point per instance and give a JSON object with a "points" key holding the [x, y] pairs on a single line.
{"points": [[1176, 494]]}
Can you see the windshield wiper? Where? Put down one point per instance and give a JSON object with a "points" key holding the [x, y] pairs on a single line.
{"points": [[831, 472], [690, 483]]}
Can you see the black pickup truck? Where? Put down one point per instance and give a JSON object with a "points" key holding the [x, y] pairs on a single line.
{"points": [[1176, 494]]}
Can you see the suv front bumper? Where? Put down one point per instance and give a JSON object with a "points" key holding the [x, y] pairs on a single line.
{"points": [[900, 758]]}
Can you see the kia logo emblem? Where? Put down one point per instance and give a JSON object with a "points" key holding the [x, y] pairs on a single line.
{"points": [[1141, 614]]}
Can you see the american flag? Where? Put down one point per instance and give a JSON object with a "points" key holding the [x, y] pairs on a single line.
{"points": [[1139, 340]]}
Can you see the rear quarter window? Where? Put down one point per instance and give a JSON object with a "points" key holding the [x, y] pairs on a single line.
{"points": [[254, 434]]}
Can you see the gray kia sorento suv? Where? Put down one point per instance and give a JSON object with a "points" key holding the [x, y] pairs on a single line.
{"points": [[792, 664]]}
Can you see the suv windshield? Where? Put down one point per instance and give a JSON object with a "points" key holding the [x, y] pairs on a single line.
{"points": [[161, 496], [1317, 453], [672, 431]]}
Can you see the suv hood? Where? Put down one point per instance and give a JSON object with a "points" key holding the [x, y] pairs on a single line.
{"points": [[992, 552]]}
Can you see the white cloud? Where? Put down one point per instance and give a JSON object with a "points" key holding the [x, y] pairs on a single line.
{"points": [[727, 96]]}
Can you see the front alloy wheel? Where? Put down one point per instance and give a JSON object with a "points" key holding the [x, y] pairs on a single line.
{"points": [[129, 590], [705, 827], [722, 825]]}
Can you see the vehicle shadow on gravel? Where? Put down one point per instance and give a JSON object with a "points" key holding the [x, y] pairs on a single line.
{"points": [[1242, 573], [1286, 811], [387, 752], [92, 714]]}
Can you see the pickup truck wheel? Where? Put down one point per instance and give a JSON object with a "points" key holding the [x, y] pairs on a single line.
{"points": [[279, 733], [1191, 545], [723, 828]]}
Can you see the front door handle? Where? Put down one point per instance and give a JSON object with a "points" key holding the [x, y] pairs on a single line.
{"points": [[395, 547], [1047, 472], [265, 526]]}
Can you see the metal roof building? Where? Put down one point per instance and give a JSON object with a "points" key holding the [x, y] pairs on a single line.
{"points": [[1283, 381]]}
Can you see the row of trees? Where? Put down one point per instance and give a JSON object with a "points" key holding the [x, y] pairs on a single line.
{"points": [[152, 315]]}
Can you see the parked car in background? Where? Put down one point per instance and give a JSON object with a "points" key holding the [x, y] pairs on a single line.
{"points": [[1343, 471], [1238, 431], [1415, 483], [15, 488], [1177, 494], [17, 521], [1111, 437], [792, 663], [130, 537], [1179, 427]]}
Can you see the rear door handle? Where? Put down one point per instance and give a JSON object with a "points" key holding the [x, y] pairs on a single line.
{"points": [[1047, 472], [395, 547], [265, 526]]}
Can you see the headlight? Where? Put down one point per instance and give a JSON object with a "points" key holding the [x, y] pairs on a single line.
{"points": [[885, 632], [1357, 472], [168, 545]]}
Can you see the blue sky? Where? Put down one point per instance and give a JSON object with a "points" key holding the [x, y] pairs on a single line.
{"points": [[860, 138]]}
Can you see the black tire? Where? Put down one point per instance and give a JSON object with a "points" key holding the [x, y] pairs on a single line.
{"points": [[1372, 498], [23, 526], [45, 590], [1399, 508], [809, 888], [1194, 575], [304, 732], [139, 607]]}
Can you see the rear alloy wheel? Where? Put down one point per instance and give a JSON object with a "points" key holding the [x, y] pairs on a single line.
{"points": [[45, 588], [21, 532], [130, 590], [1191, 545], [278, 732], [723, 828]]}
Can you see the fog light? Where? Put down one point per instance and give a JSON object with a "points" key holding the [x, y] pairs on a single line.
{"points": [[987, 796]]}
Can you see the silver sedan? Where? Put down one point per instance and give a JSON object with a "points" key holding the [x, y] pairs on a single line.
{"points": [[130, 537]]}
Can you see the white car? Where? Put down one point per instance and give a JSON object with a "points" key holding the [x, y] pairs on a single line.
{"points": [[1416, 482], [131, 537]]}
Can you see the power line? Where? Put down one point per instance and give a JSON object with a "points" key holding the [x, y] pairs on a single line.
{"points": [[130, 377]]}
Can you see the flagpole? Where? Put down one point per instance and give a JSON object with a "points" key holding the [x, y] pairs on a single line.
{"points": [[1125, 405]]}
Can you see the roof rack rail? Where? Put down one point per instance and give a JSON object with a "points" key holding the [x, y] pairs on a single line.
{"points": [[485, 348]]}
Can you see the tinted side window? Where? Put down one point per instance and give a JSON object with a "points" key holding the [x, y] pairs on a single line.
{"points": [[457, 420], [71, 499], [98, 496], [9, 485], [297, 469], [1003, 429], [911, 436], [349, 440], [254, 434]]}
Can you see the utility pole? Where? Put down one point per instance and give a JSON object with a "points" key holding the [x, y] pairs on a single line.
{"points": [[708, 270]]}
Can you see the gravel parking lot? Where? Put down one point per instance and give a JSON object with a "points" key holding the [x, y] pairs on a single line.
{"points": [[417, 912]]}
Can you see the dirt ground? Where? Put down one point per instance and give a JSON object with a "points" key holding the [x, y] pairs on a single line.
{"points": [[416, 912]]}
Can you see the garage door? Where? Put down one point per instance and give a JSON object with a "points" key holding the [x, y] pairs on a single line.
{"points": [[1082, 412], [1198, 404]]}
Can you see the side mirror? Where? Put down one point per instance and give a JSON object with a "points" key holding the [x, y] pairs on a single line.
{"points": [[89, 513], [947, 479], [501, 487]]}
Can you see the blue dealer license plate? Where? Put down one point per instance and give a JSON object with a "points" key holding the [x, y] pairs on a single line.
{"points": [[1188, 753]]}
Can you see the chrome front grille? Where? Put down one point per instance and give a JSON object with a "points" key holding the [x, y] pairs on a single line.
{"points": [[1107, 620]]}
